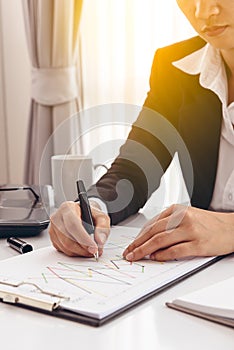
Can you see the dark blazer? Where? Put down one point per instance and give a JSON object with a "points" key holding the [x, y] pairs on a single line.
{"points": [[191, 125]]}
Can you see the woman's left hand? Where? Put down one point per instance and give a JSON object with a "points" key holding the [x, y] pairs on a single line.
{"points": [[180, 232]]}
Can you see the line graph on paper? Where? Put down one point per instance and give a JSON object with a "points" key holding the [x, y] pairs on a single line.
{"points": [[91, 287], [91, 280], [84, 279]]}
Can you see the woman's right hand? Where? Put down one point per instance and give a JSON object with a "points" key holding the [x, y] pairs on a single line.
{"points": [[68, 234]]}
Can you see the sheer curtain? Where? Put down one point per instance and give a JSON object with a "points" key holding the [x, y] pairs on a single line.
{"points": [[52, 28], [119, 39]]}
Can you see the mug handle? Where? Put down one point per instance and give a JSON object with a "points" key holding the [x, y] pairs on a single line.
{"points": [[100, 165]]}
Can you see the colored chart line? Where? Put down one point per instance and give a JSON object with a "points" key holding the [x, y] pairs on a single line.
{"points": [[111, 277], [44, 277], [68, 281], [109, 271]]}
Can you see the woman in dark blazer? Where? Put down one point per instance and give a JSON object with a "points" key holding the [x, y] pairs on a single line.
{"points": [[184, 112]]}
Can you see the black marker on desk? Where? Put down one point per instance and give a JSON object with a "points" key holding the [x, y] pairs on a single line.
{"points": [[19, 245], [86, 215]]}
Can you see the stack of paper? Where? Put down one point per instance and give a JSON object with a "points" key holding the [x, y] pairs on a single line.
{"points": [[215, 303]]}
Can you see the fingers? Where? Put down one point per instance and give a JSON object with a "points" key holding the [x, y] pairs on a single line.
{"points": [[158, 234], [175, 214], [66, 245], [78, 233], [165, 222], [102, 227], [155, 243], [68, 222], [69, 236], [178, 251], [149, 224]]}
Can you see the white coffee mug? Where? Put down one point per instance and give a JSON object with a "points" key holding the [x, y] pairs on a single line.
{"points": [[66, 170]]}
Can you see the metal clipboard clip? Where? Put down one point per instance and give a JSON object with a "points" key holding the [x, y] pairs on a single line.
{"points": [[20, 298]]}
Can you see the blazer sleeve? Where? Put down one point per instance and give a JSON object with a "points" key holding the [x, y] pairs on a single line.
{"points": [[136, 172]]}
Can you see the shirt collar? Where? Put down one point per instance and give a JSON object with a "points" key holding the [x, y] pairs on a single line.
{"points": [[207, 62]]}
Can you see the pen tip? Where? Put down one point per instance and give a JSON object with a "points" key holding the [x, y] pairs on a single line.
{"points": [[96, 256]]}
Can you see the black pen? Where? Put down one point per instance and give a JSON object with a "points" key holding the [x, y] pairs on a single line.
{"points": [[86, 214], [19, 245]]}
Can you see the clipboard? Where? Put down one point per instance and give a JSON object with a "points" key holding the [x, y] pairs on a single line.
{"points": [[54, 309], [24, 210], [71, 302]]}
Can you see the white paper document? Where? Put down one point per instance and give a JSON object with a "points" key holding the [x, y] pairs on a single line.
{"points": [[215, 302], [85, 286]]}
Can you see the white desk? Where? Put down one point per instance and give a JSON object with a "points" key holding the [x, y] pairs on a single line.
{"points": [[148, 325]]}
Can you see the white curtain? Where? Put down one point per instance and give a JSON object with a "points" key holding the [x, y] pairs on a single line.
{"points": [[119, 38], [52, 28]]}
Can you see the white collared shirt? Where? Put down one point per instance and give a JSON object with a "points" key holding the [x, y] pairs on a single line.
{"points": [[209, 64]]}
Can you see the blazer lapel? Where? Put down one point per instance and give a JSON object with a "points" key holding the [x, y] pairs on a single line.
{"points": [[200, 128]]}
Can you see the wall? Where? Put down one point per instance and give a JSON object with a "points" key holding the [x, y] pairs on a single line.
{"points": [[14, 91], [4, 171]]}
